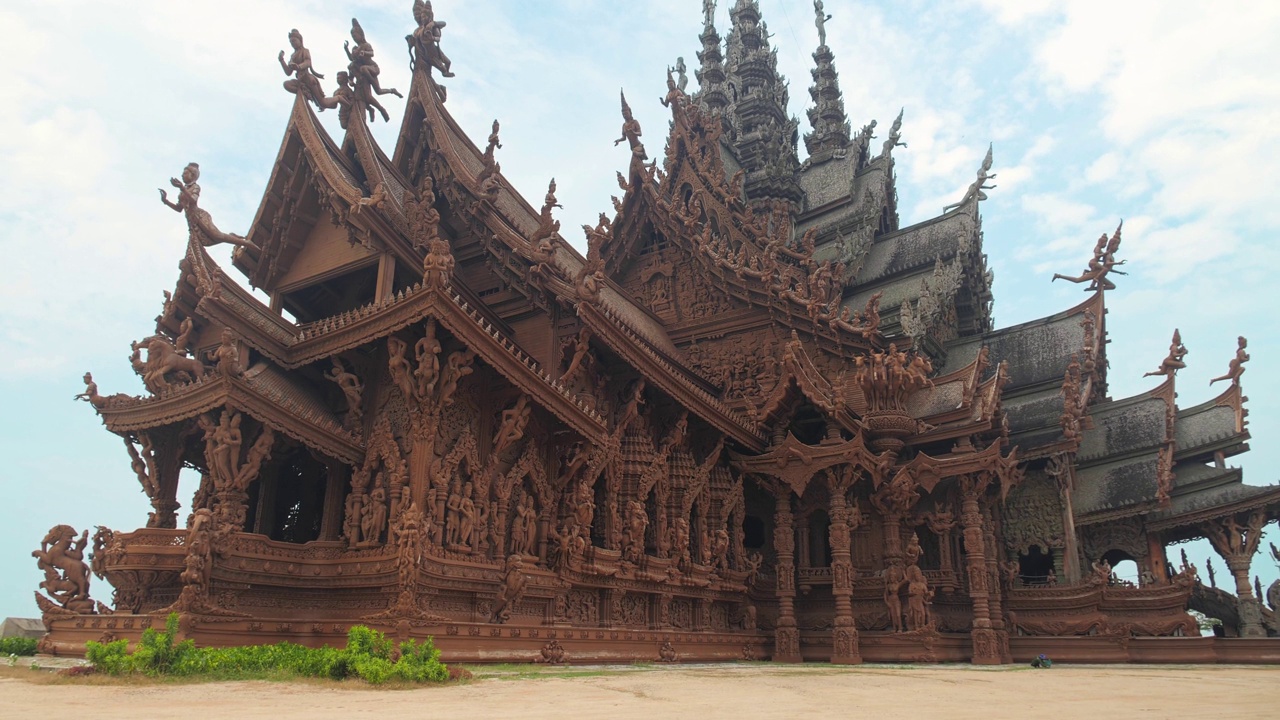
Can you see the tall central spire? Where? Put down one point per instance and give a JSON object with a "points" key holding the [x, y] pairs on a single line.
{"points": [[712, 90], [830, 136], [764, 135]]}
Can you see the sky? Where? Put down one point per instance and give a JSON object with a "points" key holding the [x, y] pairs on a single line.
{"points": [[1158, 112]]}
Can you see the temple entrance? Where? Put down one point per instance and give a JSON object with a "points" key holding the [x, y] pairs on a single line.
{"points": [[1035, 567], [287, 501], [1124, 569]]}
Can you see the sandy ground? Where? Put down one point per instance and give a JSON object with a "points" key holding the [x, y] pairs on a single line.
{"points": [[730, 691]]}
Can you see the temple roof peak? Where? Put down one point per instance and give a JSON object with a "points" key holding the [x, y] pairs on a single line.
{"points": [[831, 130]]}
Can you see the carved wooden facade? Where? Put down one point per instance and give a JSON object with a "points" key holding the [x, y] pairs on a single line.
{"points": [[757, 419]]}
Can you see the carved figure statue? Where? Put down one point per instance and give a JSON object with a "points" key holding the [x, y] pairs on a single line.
{"points": [[466, 516], [364, 71], [820, 19], [400, 369], [918, 597], [304, 79], [682, 77], [975, 190], [708, 12], [1236, 367], [424, 42], [343, 98], [637, 520], [513, 586], [66, 576], [631, 134], [514, 421], [373, 518], [199, 223], [352, 390], [581, 345], [895, 136], [427, 352], [226, 357], [1173, 363], [893, 580], [1103, 263], [90, 394], [524, 527], [720, 550], [165, 365]]}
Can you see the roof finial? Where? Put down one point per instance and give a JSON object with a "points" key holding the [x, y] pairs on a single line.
{"points": [[895, 136], [1173, 363], [820, 19], [1103, 263], [975, 189], [1236, 367], [708, 13]]}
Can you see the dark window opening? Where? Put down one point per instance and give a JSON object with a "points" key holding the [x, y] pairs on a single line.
{"points": [[752, 532], [1035, 567]]}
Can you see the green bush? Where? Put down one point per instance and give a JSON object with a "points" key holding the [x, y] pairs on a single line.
{"points": [[368, 656], [17, 646]]}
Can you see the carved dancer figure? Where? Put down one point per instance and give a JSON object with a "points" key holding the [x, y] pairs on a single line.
{"points": [[1236, 367], [453, 518], [631, 134], [304, 79], [424, 42], [343, 98], [581, 345], [895, 136], [373, 519], [682, 75], [820, 19], [352, 390], [364, 70], [514, 582], [631, 408], [66, 576], [1103, 263], [90, 394], [975, 190], [524, 527], [633, 532], [399, 367], [1173, 363], [199, 223], [673, 91], [514, 421], [466, 516]]}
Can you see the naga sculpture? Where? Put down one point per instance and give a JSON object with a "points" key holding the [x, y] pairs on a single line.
{"points": [[199, 222]]}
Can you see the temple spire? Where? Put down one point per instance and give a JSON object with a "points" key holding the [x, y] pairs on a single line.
{"points": [[764, 136], [830, 136], [712, 90]]}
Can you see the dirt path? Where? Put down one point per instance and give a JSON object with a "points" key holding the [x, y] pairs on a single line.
{"points": [[734, 691]]}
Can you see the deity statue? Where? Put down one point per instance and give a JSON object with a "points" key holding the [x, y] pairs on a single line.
{"points": [[631, 135], [918, 597], [424, 43], [513, 585], [352, 390], [1236, 367], [895, 136], [820, 19], [199, 222], [514, 421], [226, 357], [304, 79], [373, 518], [1173, 363], [893, 581], [90, 394], [343, 98], [1102, 264], [364, 71], [976, 188], [708, 12]]}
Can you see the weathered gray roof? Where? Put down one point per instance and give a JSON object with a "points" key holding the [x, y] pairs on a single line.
{"points": [[1123, 427], [21, 627], [1204, 426], [1038, 351], [1116, 485], [916, 247], [828, 181]]}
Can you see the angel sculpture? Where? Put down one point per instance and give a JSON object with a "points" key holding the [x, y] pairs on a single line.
{"points": [[304, 79], [424, 43], [198, 220]]}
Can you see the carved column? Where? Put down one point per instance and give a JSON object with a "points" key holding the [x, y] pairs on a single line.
{"points": [[331, 521], [994, 585], [1237, 543], [986, 646], [1157, 559], [787, 635], [845, 635]]}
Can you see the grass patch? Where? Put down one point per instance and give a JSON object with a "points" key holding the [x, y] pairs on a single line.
{"points": [[369, 656]]}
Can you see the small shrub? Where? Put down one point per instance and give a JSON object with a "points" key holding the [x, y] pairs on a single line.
{"points": [[368, 655], [17, 646]]}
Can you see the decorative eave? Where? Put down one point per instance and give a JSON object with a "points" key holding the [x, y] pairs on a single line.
{"points": [[277, 410], [928, 470], [1266, 498], [664, 374], [331, 177], [796, 463], [802, 377]]}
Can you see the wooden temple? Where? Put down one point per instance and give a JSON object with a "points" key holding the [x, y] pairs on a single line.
{"points": [[758, 419]]}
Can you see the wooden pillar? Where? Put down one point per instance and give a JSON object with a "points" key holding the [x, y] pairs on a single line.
{"points": [[994, 586], [1237, 543], [1157, 559], [787, 635], [986, 647], [844, 639], [331, 521], [386, 278]]}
